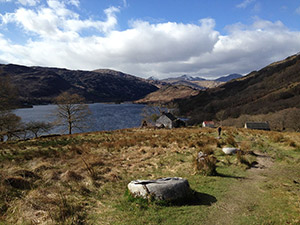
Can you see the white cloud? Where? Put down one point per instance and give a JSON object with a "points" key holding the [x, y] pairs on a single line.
{"points": [[24, 2], [74, 2], [298, 10], [125, 3], [144, 49], [57, 22], [29, 2], [244, 4]]}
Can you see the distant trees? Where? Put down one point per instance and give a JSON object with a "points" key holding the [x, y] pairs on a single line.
{"points": [[37, 127], [10, 124], [71, 112], [151, 113], [8, 95]]}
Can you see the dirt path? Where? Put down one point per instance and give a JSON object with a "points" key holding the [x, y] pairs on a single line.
{"points": [[242, 197]]}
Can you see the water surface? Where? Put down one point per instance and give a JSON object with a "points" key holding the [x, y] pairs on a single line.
{"points": [[104, 116]]}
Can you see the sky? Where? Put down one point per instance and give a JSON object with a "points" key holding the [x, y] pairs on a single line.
{"points": [[160, 38]]}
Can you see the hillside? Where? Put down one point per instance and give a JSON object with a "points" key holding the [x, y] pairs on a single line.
{"points": [[39, 85], [82, 179], [198, 82], [168, 93], [271, 89], [193, 82], [229, 77]]}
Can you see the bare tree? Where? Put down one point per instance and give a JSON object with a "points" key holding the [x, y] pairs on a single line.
{"points": [[151, 113], [36, 128], [9, 123], [8, 94], [71, 112]]}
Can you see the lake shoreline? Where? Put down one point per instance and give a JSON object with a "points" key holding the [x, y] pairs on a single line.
{"points": [[105, 116]]}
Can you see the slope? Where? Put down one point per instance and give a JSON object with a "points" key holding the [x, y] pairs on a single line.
{"points": [[168, 93], [39, 85], [273, 88]]}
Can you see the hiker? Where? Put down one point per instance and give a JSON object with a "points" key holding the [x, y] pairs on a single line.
{"points": [[219, 131]]}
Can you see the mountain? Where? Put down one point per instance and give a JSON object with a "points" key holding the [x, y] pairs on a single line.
{"points": [[40, 85], [152, 78], [229, 77], [182, 78], [183, 87], [168, 93], [269, 90], [198, 82], [193, 82]]}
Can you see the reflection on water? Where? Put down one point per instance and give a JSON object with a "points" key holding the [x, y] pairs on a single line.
{"points": [[104, 116]]}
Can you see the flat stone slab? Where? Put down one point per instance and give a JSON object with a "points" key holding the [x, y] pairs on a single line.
{"points": [[169, 189]]}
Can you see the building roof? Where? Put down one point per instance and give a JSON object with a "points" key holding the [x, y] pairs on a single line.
{"points": [[170, 116], [257, 125], [208, 122]]}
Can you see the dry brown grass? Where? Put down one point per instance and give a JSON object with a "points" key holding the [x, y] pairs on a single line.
{"points": [[69, 177]]}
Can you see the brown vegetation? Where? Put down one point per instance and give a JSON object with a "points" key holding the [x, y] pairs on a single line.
{"points": [[168, 93], [268, 92], [81, 179]]}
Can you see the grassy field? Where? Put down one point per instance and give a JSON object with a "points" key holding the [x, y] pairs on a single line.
{"points": [[82, 179]]}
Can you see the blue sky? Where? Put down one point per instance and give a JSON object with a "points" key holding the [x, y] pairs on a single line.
{"points": [[150, 38]]}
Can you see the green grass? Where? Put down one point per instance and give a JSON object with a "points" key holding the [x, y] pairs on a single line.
{"points": [[83, 178]]}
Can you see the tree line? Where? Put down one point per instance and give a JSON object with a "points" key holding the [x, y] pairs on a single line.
{"points": [[71, 113]]}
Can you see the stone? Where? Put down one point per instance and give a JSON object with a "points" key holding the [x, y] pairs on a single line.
{"points": [[168, 189], [229, 151]]}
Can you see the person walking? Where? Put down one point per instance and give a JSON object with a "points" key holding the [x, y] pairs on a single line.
{"points": [[219, 131]]}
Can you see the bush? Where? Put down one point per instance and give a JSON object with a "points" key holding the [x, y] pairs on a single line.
{"points": [[206, 164], [231, 142]]}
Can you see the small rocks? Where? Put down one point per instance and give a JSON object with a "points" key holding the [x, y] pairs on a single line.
{"points": [[168, 189]]}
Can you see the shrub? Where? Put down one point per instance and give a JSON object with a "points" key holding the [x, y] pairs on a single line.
{"points": [[245, 145], [277, 138], [206, 164], [231, 142], [292, 144]]}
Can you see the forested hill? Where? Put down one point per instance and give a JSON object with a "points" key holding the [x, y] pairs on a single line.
{"points": [[40, 85], [273, 88]]}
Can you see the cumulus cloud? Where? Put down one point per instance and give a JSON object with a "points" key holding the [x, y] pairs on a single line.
{"points": [[298, 10], [56, 21], [144, 49]]}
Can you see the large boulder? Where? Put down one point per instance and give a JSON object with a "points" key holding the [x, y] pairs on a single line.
{"points": [[168, 189]]}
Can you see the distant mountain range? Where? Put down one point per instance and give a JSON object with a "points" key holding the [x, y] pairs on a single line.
{"points": [[229, 77], [267, 91], [40, 85], [194, 82]]}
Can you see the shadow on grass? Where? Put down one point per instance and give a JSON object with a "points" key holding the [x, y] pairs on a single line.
{"points": [[228, 176], [203, 199], [195, 199]]}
